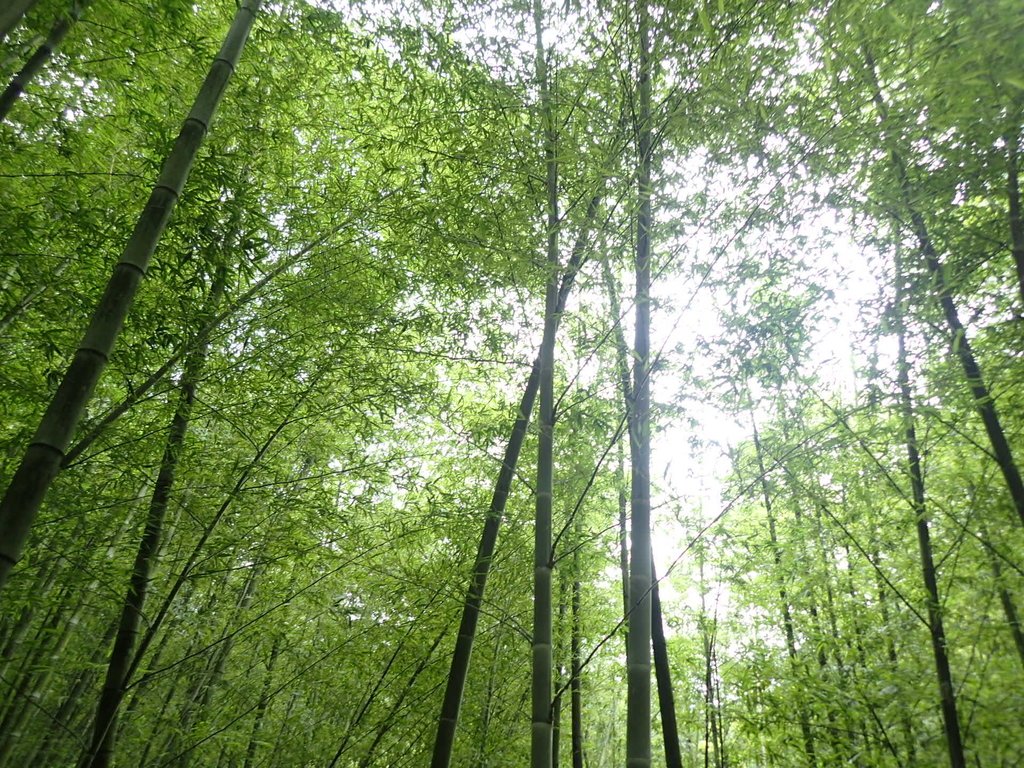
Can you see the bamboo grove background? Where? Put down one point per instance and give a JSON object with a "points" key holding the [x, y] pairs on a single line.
{"points": [[343, 250]]}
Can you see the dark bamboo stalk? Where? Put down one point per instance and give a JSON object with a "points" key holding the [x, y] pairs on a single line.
{"points": [[42, 55], [1016, 217], [542, 712], [575, 669], [444, 741], [960, 346], [947, 691], [100, 753], [663, 678]]}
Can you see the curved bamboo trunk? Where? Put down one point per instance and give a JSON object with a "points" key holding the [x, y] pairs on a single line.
{"points": [[42, 460], [42, 55]]}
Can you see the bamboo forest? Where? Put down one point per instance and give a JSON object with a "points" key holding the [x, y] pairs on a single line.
{"points": [[511, 383]]}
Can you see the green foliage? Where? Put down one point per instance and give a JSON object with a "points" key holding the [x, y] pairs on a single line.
{"points": [[371, 195]]}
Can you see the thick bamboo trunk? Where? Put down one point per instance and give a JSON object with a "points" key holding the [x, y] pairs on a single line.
{"points": [[43, 458], [666, 698], [638, 655], [11, 14], [40, 57]]}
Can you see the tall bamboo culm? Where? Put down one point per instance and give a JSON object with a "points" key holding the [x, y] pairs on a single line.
{"points": [[638, 650], [42, 459], [541, 749], [944, 675]]}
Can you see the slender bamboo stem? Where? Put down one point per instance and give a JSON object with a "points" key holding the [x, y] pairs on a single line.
{"points": [[100, 752], [1016, 219], [444, 741], [787, 613], [960, 346], [663, 677], [947, 692]]}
